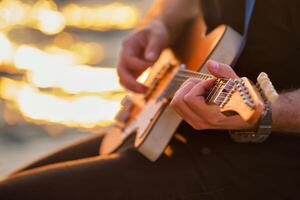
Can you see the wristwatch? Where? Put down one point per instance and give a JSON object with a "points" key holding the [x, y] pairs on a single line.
{"points": [[258, 135]]}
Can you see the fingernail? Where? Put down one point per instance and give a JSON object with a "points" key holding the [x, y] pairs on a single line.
{"points": [[213, 65], [151, 56]]}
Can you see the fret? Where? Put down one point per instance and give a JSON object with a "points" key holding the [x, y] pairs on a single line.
{"points": [[212, 92], [226, 93], [215, 91], [182, 75], [192, 74]]}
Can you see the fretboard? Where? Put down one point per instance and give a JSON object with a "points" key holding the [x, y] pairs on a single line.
{"points": [[214, 94]]}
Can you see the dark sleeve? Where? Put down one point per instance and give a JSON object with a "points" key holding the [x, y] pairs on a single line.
{"points": [[294, 14]]}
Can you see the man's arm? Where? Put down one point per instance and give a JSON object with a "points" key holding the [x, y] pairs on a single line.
{"points": [[174, 14], [286, 113]]}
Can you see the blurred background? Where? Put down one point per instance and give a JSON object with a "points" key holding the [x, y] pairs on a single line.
{"points": [[58, 81]]}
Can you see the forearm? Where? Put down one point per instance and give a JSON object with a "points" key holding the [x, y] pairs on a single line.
{"points": [[286, 113], [174, 14]]}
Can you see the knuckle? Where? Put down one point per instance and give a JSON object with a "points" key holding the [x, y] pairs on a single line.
{"points": [[214, 122], [133, 37], [174, 103], [188, 98]]}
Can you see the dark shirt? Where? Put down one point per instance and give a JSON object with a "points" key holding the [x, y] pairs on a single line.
{"points": [[272, 45]]}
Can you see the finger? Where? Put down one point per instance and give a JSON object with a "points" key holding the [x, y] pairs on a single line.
{"points": [[136, 64], [133, 50], [128, 80], [192, 80], [130, 67], [195, 97], [201, 108], [180, 106], [154, 47], [220, 70], [190, 117], [182, 91], [131, 61]]}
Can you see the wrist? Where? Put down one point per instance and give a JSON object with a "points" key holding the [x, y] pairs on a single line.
{"points": [[260, 133]]}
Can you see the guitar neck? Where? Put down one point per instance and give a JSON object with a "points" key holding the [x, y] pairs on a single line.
{"points": [[216, 94]]}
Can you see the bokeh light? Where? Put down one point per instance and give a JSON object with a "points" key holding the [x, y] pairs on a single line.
{"points": [[58, 78]]}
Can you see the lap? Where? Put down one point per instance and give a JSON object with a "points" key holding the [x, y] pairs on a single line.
{"points": [[84, 148], [208, 166], [122, 176]]}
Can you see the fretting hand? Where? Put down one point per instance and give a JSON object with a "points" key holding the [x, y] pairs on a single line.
{"points": [[189, 102]]}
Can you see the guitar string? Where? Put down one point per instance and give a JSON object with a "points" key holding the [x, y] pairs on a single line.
{"points": [[183, 75], [193, 72], [178, 84], [180, 78], [183, 72], [193, 75], [184, 78], [198, 76], [180, 81], [221, 97]]}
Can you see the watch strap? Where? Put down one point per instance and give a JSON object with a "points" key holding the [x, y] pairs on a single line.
{"points": [[258, 135]]}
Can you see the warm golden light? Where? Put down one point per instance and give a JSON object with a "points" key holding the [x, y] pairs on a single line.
{"points": [[143, 77], [83, 52], [58, 68], [50, 22], [45, 16], [59, 83], [6, 49], [115, 15], [13, 13], [47, 70], [87, 111], [89, 108]]}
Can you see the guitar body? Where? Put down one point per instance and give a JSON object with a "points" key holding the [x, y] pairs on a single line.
{"points": [[151, 122]]}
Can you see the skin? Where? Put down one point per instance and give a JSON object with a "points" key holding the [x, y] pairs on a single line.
{"points": [[189, 102], [159, 30]]}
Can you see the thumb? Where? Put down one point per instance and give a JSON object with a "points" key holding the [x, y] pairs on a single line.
{"points": [[154, 48], [220, 70]]}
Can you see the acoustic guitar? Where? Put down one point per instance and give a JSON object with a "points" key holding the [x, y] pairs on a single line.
{"points": [[147, 122]]}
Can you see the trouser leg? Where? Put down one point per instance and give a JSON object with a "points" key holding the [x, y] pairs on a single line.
{"points": [[82, 149], [208, 166], [124, 176]]}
